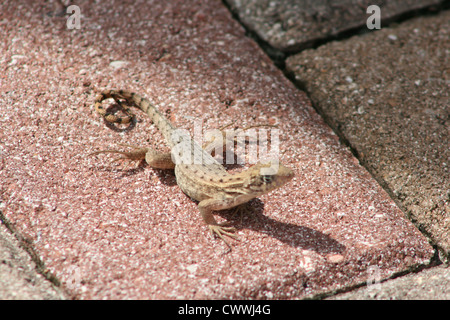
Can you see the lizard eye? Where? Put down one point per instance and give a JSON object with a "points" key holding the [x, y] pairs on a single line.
{"points": [[267, 178]]}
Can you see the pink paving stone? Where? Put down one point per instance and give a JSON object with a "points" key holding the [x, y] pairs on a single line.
{"points": [[108, 231]]}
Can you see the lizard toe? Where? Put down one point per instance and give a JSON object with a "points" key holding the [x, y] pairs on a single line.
{"points": [[222, 231]]}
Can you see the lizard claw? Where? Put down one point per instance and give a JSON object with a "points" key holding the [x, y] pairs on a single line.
{"points": [[221, 231]]}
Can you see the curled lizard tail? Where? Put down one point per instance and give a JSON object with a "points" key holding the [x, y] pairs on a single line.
{"points": [[134, 100], [116, 95]]}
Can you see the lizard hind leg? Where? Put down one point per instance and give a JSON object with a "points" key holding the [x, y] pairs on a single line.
{"points": [[137, 154], [153, 158]]}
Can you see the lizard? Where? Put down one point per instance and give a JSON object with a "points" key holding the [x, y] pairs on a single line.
{"points": [[197, 173]]}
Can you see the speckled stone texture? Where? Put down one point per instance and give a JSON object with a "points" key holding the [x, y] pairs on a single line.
{"points": [[19, 279], [387, 93], [428, 284], [115, 230], [290, 25]]}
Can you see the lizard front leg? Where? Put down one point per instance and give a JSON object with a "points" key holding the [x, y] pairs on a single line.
{"points": [[206, 207]]}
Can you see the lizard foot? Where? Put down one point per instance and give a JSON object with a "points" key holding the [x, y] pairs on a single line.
{"points": [[221, 231]]}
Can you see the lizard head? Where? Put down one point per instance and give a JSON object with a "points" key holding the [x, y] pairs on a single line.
{"points": [[265, 177]]}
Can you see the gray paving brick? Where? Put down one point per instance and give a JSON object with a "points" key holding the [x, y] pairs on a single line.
{"points": [[387, 94], [19, 279], [429, 284], [289, 25]]}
